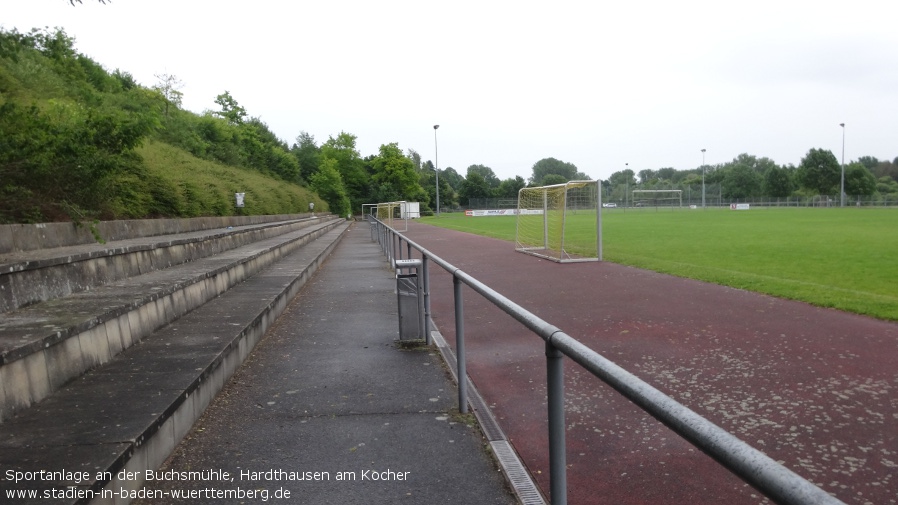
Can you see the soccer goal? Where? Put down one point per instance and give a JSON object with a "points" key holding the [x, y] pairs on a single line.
{"points": [[393, 214], [561, 222], [658, 197]]}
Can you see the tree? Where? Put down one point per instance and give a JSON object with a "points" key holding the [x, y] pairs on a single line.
{"points": [[666, 174], [859, 181], [619, 182], [486, 172], [350, 165], [169, 86], [625, 177], [868, 161], [741, 181], [55, 44], [509, 187], [547, 166], [415, 156], [552, 179], [396, 171], [307, 154], [777, 182], [744, 176], [451, 177], [819, 171], [263, 150], [646, 176], [125, 79], [692, 179], [886, 186], [713, 174], [886, 169], [427, 180], [66, 154], [328, 183], [473, 186], [759, 165], [230, 109]]}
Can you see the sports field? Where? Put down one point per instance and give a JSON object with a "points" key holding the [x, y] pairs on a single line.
{"points": [[841, 258]]}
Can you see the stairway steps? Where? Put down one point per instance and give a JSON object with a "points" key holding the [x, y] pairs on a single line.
{"points": [[45, 345], [36, 276], [129, 413]]}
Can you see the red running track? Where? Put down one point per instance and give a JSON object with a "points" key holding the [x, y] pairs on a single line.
{"points": [[813, 388]]}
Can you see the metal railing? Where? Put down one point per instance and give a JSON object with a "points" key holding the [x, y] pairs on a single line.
{"points": [[749, 464]]}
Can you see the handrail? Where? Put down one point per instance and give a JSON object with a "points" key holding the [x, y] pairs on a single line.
{"points": [[774, 480]]}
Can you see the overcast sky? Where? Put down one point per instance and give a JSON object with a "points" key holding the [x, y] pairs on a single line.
{"points": [[596, 84]]}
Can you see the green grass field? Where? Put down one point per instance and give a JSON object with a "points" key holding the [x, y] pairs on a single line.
{"points": [[841, 258]]}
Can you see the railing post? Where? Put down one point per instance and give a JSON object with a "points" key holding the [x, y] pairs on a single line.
{"points": [[392, 252], [460, 346], [422, 316], [425, 273], [557, 450]]}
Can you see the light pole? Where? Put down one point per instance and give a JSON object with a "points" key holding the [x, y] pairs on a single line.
{"points": [[627, 194], [436, 168], [703, 178], [842, 186]]}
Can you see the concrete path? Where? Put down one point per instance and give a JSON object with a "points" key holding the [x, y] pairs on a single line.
{"points": [[327, 395]]}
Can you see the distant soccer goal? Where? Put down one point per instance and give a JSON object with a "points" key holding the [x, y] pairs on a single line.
{"points": [[393, 214], [658, 197], [561, 222]]}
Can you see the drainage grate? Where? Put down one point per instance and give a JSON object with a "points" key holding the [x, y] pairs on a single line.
{"points": [[518, 477], [488, 423]]}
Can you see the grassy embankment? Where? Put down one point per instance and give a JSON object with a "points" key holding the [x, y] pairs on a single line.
{"points": [[78, 142], [195, 187]]}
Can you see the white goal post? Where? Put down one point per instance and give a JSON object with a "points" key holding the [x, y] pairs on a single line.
{"points": [[658, 197], [562, 222]]}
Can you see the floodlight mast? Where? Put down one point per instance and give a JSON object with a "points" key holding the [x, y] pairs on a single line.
{"points": [[842, 186], [703, 178], [436, 162]]}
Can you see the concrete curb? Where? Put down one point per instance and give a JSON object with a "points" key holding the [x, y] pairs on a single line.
{"points": [[28, 237]]}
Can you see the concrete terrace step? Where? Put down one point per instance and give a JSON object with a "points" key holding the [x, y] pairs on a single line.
{"points": [[130, 413], [44, 346], [28, 277], [31, 237]]}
